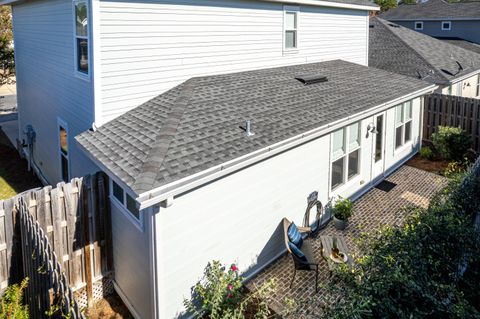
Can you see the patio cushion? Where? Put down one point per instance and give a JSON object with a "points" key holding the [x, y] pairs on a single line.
{"points": [[297, 252], [294, 235]]}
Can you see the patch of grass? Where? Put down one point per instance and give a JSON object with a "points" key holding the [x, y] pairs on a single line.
{"points": [[14, 177]]}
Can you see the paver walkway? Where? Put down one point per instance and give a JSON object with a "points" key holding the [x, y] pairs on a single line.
{"points": [[373, 210]]}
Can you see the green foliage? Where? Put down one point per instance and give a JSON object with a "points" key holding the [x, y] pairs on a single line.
{"points": [[343, 209], [426, 153], [408, 2], [427, 268], [11, 304], [7, 61], [386, 5], [220, 294], [456, 169], [451, 143]]}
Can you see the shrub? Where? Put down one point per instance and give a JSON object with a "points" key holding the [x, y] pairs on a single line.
{"points": [[11, 304], [220, 294], [426, 153], [342, 209], [451, 142]]}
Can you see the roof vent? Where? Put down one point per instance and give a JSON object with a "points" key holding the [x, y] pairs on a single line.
{"points": [[248, 128], [311, 79]]}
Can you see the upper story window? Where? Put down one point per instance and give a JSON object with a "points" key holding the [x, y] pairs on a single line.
{"points": [[345, 154], [418, 25], [446, 25], [81, 36], [403, 124], [290, 27]]}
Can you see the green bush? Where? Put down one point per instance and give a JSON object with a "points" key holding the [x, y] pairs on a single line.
{"points": [[11, 304], [426, 153], [426, 268], [343, 209], [220, 294], [451, 143]]}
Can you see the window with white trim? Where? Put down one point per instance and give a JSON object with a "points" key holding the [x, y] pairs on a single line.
{"points": [[63, 150], [290, 26], [478, 86], [81, 36], [446, 25], [125, 200], [345, 154], [403, 124], [418, 25]]}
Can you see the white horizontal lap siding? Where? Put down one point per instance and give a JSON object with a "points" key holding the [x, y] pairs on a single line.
{"points": [[149, 47], [236, 219], [46, 85]]}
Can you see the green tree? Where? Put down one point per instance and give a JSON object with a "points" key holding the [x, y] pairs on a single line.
{"points": [[7, 62], [408, 2], [386, 4]]}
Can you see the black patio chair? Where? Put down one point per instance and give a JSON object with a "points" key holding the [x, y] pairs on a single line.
{"points": [[307, 261]]}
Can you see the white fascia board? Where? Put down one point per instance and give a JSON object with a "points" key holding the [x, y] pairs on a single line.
{"points": [[463, 77], [164, 192], [329, 4]]}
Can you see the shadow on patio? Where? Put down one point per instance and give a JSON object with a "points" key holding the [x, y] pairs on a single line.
{"points": [[373, 210]]}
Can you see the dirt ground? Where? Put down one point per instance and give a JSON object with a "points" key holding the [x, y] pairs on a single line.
{"points": [[111, 307], [14, 177], [436, 166]]}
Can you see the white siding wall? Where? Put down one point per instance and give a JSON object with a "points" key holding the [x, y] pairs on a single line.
{"points": [[468, 88], [150, 46], [46, 84], [237, 218]]}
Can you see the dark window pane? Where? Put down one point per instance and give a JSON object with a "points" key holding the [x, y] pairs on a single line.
{"points": [[63, 141], [64, 161], [337, 173], [408, 131], [81, 19], [379, 138], [398, 137], [132, 207], [353, 158], [117, 192], [82, 55]]}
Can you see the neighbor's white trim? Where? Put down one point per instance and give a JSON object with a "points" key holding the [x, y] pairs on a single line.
{"points": [[96, 62], [159, 194], [415, 25], [449, 26], [125, 300]]}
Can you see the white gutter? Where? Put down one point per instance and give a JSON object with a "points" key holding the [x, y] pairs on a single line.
{"points": [[168, 191], [463, 77]]}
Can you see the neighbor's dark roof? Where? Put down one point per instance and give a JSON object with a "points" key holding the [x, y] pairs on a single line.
{"points": [[398, 49], [434, 9], [196, 125], [462, 43]]}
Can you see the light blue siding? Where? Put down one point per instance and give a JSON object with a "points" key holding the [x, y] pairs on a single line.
{"points": [[47, 86]]}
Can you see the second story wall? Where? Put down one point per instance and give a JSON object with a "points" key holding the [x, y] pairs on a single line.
{"points": [[150, 46]]}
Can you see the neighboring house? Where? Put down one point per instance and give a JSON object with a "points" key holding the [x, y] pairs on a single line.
{"points": [[439, 18], [398, 49], [190, 184], [80, 64]]}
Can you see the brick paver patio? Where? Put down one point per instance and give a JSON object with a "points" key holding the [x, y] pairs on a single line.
{"points": [[373, 210]]}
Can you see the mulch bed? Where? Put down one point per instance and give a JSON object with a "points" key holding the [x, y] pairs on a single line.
{"points": [[112, 307], [436, 166]]}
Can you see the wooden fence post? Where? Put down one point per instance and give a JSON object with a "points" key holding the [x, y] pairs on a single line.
{"points": [[86, 239]]}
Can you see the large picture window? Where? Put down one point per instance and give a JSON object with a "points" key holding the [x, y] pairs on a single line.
{"points": [[345, 154], [81, 36], [403, 124]]}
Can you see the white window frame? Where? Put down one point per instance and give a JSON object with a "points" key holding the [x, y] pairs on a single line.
{"points": [[346, 134], [421, 25], [296, 11], [449, 26], [63, 124], [403, 124], [80, 74], [478, 85], [138, 222]]}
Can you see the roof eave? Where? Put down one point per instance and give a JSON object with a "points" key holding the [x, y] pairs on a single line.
{"points": [[9, 2], [162, 193], [329, 4]]}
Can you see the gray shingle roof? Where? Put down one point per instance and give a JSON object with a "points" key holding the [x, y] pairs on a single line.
{"points": [[434, 9], [462, 43], [398, 49], [196, 125]]}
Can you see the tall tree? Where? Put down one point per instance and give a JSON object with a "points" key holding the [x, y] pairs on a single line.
{"points": [[386, 4], [7, 62]]}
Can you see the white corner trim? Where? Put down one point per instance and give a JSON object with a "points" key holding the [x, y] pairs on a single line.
{"points": [[96, 62]]}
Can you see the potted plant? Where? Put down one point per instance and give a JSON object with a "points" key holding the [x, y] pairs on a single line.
{"points": [[342, 211]]}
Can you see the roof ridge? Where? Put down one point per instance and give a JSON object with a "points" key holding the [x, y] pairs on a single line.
{"points": [[159, 150], [383, 22]]}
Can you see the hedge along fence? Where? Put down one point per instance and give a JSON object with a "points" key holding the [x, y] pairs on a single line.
{"points": [[449, 110], [75, 220]]}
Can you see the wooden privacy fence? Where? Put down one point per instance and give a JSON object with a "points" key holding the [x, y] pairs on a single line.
{"points": [[75, 220], [448, 110]]}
